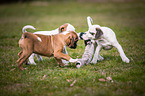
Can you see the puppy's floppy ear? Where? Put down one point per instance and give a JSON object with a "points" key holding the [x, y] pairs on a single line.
{"points": [[63, 28], [98, 33]]}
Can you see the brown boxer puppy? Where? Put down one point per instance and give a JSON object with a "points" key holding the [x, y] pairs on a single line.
{"points": [[47, 46]]}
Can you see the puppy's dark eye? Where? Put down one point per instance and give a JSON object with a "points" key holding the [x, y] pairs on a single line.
{"points": [[92, 33]]}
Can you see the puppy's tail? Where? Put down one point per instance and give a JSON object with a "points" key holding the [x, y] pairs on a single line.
{"points": [[31, 36], [90, 21], [26, 27]]}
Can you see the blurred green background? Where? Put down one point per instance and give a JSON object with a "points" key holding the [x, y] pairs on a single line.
{"points": [[125, 17]]}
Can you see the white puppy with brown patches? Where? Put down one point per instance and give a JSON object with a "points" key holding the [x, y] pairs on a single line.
{"points": [[62, 28], [105, 38]]}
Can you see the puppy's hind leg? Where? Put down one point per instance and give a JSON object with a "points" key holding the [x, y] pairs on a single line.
{"points": [[24, 56], [122, 54], [19, 54]]}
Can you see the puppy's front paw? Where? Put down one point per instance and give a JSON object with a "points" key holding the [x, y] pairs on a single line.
{"points": [[126, 60], [73, 60]]}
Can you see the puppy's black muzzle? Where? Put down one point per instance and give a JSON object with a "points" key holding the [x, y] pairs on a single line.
{"points": [[74, 46], [81, 35]]}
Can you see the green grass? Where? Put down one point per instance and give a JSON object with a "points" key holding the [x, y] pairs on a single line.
{"points": [[127, 19]]}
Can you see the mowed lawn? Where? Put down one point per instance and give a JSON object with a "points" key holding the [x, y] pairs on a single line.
{"points": [[127, 19]]}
